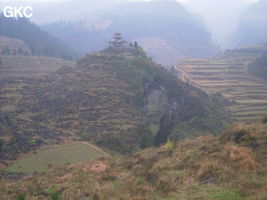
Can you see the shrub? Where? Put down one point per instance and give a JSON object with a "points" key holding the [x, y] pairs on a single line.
{"points": [[264, 120], [54, 196], [170, 146], [226, 194], [21, 197], [140, 181]]}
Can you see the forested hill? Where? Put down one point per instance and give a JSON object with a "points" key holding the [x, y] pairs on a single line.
{"points": [[39, 41]]}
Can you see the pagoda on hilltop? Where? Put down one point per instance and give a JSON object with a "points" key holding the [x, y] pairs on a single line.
{"points": [[117, 41]]}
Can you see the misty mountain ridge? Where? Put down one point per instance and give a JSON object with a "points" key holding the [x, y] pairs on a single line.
{"points": [[220, 17], [166, 30], [38, 40], [252, 26], [222, 25]]}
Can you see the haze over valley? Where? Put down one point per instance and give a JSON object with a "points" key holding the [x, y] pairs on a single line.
{"points": [[134, 100]]}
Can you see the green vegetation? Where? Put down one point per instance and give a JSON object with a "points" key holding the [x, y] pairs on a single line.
{"points": [[21, 197], [225, 194], [264, 120], [54, 196], [54, 157]]}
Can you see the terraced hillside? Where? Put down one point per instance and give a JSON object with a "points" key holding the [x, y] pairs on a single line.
{"points": [[19, 71], [227, 74], [13, 46], [17, 135], [111, 98]]}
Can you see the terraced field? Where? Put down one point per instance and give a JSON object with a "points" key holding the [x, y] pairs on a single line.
{"points": [[227, 74]]}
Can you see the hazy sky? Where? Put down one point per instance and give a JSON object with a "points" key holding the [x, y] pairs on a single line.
{"points": [[111, 0], [220, 16]]}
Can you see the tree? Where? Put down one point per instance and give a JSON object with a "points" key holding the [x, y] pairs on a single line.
{"points": [[20, 51], [39, 41], [6, 50], [135, 45], [21, 197], [26, 53], [54, 196]]}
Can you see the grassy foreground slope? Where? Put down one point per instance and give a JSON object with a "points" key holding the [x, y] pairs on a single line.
{"points": [[227, 74], [232, 166]]}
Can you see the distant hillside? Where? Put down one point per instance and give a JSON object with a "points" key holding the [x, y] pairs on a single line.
{"points": [[232, 166], [253, 26], [164, 29], [227, 74], [39, 41], [259, 67], [120, 100], [11, 46], [78, 36]]}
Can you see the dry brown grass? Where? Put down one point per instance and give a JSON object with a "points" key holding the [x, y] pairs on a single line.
{"points": [[196, 169], [210, 168], [241, 158]]}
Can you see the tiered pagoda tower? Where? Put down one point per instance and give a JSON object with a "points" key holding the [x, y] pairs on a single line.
{"points": [[117, 41]]}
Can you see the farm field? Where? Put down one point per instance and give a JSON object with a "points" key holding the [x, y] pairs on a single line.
{"points": [[227, 74], [54, 156]]}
